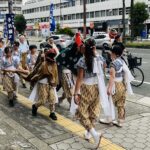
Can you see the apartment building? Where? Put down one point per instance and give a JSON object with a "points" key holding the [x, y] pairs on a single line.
{"points": [[17, 5], [70, 14]]}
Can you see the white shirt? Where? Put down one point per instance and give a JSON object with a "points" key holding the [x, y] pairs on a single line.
{"points": [[23, 47]]}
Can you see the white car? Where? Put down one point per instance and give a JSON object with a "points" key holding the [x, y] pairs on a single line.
{"points": [[102, 40], [98, 33], [62, 41]]}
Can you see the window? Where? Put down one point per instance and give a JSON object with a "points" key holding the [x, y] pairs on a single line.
{"points": [[55, 37], [97, 14], [115, 12], [91, 14], [100, 37], [103, 13]]}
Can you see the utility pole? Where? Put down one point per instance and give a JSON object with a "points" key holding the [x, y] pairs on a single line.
{"points": [[84, 18], [131, 20], [10, 6], [60, 13], [124, 21]]}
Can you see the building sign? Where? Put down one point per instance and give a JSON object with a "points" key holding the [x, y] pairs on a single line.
{"points": [[10, 26]]}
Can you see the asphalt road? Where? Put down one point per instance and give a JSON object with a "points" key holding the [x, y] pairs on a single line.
{"points": [[145, 54]]}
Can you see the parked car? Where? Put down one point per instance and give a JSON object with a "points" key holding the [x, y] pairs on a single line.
{"points": [[98, 33], [102, 40], [61, 41]]}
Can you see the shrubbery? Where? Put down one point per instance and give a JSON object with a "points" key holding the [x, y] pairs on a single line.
{"points": [[138, 44], [66, 30]]}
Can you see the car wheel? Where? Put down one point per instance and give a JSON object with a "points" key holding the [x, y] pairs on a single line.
{"points": [[105, 45], [41, 46]]}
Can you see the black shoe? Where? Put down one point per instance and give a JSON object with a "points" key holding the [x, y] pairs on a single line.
{"points": [[11, 103], [31, 88], [24, 85], [34, 110], [53, 116]]}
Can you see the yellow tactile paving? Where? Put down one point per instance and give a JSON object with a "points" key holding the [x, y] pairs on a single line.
{"points": [[68, 124]]}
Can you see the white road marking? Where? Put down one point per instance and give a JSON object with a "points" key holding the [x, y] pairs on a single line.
{"points": [[144, 62], [2, 132], [143, 82]]}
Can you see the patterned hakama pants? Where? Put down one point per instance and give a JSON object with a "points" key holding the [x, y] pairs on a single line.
{"points": [[46, 94], [67, 85], [89, 107], [23, 63], [119, 99], [9, 86]]}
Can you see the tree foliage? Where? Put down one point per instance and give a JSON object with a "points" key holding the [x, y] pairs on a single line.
{"points": [[140, 15], [66, 31], [20, 23]]}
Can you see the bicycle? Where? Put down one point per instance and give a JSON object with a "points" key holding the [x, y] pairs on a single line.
{"points": [[133, 64]]}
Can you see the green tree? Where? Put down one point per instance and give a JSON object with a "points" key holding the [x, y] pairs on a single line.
{"points": [[66, 31], [20, 23], [140, 16]]}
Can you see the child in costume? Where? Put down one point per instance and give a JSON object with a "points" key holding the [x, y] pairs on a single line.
{"points": [[116, 86], [86, 93], [10, 79], [46, 78], [16, 52], [32, 57]]}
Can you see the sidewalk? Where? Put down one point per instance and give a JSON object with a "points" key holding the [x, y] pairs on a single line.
{"points": [[66, 134]]}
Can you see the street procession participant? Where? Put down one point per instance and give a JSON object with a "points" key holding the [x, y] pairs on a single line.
{"points": [[10, 79], [66, 79], [46, 78], [66, 63], [32, 57], [52, 44], [24, 49], [1, 48], [16, 52], [119, 83], [1, 55], [86, 93]]}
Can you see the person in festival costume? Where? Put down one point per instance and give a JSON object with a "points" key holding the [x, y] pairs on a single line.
{"points": [[24, 49], [1, 56], [16, 52], [46, 77], [86, 93], [32, 57], [10, 78], [67, 83], [67, 80], [119, 83]]}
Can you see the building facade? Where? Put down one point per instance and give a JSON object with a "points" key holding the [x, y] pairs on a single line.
{"points": [[17, 5], [70, 14]]}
